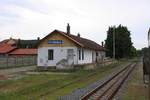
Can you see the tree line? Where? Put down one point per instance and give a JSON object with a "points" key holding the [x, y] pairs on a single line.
{"points": [[123, 45]]}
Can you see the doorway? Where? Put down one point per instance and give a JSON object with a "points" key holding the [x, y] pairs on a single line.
{"points": [[70, 56]]}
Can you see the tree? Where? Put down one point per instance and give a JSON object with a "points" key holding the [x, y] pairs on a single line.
{"points": [[109, 42], [134, 52], [123, 44]]}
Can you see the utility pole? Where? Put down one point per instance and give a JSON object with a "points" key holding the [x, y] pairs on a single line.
{"points": [[149, 38], [114, 42], [149, 59]]}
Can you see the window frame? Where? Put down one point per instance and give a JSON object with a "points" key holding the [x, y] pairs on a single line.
{"points": [[79, 54], [50, 54], [82, 54]]}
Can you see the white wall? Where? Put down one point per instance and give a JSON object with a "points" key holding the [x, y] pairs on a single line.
{"points": [[94, 56], [59, 54], [87, 56], [101, 55]]}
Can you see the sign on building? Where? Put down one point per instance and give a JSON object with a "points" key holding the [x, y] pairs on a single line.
{"points": [[55, 41]]}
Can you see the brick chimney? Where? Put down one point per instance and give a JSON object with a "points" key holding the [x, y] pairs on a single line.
{"points": [[102, 44], [38, 38], [68, 28], [78, 34]]}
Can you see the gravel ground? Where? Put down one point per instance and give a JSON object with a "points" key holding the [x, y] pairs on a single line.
{"points": [[78, 93], [122, 90], [13, 72]]}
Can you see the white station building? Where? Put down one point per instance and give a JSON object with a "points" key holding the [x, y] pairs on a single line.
{"points": [[64, 50]]}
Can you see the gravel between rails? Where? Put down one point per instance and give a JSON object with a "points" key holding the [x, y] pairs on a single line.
{"points": [[119, 94], [122, 90], [78, 93]]}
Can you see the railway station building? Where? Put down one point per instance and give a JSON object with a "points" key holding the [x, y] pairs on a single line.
{"points": [[63, 50]]}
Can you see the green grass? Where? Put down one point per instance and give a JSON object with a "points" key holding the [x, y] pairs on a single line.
{"points": [[82, 83], [50, 86], [29, 86]]}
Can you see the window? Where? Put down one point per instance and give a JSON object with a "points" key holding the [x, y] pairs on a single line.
{"points": [[96, 53], [82, 54], [50, 54], [79, 54]]}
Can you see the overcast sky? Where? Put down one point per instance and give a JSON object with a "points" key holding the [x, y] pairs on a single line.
{"points": [[29, 19]]}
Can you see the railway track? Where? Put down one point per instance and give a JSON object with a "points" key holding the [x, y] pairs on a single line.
{"points": [[108, 89]]}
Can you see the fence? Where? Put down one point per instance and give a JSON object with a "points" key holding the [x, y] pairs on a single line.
{"points": [[7, 62]]}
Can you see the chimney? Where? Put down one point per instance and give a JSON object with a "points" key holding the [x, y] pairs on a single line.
{"points": [[10, 38], [19, 39], [78, 34], [38, 38], [102, 44], [68, 28]]}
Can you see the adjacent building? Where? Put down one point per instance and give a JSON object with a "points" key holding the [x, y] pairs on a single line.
{"points": [[24, 52], [18, 47], [19, 43], [64, 50], [5, 49]]}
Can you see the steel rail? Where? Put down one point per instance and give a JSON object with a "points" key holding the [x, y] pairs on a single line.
{"points": [[127, 70]]}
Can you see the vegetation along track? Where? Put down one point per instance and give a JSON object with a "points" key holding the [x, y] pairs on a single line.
{"points": [[108, 89]]}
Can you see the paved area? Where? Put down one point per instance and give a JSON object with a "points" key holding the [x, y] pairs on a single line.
{"points": [[11, 72]]}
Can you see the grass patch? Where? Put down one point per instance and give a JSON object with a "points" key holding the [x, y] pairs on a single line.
{"points": [[50, 86], [82, 83]]}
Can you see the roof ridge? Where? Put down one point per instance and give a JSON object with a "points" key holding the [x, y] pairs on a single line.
{"points": [[78, 37], [83, 42], [71, 34]]}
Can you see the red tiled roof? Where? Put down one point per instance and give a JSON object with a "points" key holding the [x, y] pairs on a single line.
{"points": [[85, 43], [7, 40], [25, 51], [6, 48], [4, 41]]}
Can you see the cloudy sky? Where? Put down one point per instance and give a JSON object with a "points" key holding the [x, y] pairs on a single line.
{"points": [[29, 19]]}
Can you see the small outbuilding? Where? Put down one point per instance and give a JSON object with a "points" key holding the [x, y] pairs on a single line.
{"points": [[64, 50], [24, 52], [5, 49]]}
